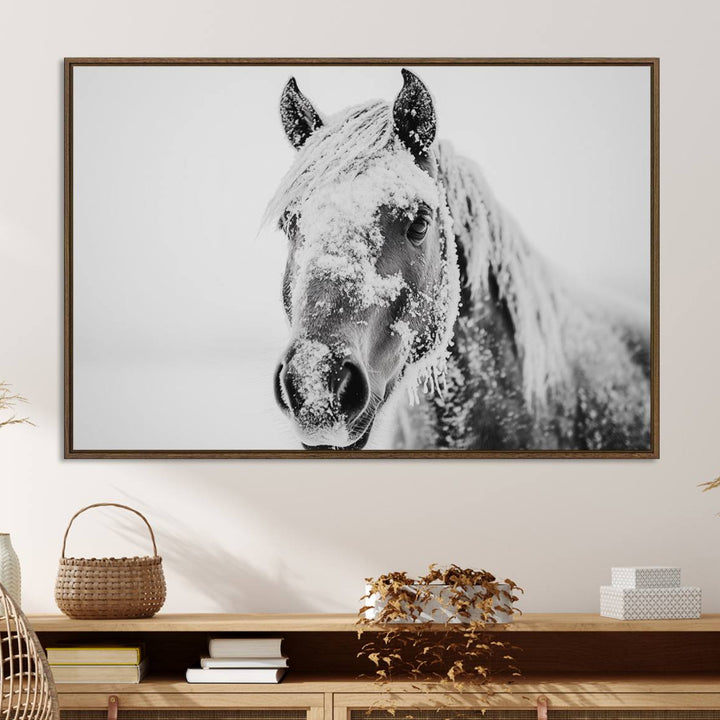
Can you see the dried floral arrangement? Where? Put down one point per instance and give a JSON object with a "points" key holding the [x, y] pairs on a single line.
{"points": [[457, 649], [711, 485], [8, 401]]}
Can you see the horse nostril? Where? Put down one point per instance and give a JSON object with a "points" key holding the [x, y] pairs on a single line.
{"points": [[286, 392], [291, 398], [277, 385], [352, 390]]}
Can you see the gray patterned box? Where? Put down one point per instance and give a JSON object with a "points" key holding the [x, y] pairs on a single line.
{"points": [[650, 603], [646, 577]]}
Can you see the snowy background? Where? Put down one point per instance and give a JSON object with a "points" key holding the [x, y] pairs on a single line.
{"points": [[178, 319]]}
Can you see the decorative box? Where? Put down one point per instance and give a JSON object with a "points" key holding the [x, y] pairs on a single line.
{"points": [[650, 603], [646, 577], [436, 610]]}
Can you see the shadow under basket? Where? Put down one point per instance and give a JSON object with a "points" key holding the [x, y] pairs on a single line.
{"points": [[110, 588]]}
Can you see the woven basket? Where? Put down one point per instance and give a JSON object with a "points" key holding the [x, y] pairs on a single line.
{"points": [[110, 587]]}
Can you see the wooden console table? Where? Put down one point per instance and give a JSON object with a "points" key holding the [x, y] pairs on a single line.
{"points": [[577, 663]]}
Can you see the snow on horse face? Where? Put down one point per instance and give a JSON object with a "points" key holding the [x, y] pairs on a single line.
{"points": [[371, 281]]}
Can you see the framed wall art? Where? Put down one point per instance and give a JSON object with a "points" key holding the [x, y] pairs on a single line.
{"points": [[411, 258]]}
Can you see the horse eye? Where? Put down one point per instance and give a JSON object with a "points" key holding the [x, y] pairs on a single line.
{"points": [[418, 228]]}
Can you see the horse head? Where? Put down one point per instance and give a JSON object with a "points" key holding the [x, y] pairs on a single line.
{"points": [[371, 286]]}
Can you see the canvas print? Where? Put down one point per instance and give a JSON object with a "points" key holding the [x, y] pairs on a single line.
{"points": [[359, 259]]}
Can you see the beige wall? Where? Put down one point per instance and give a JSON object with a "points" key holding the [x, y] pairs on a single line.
{"points": [[264, 535]]}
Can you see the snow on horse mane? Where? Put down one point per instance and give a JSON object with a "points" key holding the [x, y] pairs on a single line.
{"points": [[492, 239], [562, 331], [342, 145]]}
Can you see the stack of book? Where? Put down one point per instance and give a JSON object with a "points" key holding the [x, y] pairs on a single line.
{"points": [[241, 660], [93, 664]]}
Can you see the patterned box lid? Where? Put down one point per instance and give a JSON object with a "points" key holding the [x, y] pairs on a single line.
{"points": [[646, 577]]}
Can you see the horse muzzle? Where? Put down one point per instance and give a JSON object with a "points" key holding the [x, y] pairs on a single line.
{"points": [[327, 395]]}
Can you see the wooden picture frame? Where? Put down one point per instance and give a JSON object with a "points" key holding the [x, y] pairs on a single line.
{"points": [[76, 450]]}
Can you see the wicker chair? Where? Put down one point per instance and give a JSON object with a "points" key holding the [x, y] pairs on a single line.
{"points": [[27, 690]]}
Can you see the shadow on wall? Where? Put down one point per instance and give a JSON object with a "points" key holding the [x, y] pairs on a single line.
{"points": [[228, 580]]}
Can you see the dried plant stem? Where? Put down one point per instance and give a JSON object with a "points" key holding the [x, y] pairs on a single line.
{"points": [[711, 485], [8, 401]]}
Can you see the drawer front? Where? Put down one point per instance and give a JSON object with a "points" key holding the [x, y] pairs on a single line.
{"points": [[194, 706], [205, 714], [525, 706], [579, 714], [197, 714], [576, 714]]}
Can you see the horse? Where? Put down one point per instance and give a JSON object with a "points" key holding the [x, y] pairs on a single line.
{"points": [[405, 272]]}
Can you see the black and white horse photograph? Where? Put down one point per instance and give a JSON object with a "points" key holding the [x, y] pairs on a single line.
{"points": [[363, 258]]}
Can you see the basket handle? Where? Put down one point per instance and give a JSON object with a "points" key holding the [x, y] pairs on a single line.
{"points": [[124, 507]]}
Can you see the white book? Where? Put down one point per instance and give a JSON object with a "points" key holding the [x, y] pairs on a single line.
{"points": [[243, 662], [235, 675], [245, 647]]}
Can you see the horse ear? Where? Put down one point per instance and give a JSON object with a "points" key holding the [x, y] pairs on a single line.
{"points": [[299, 117], [414, 115]]}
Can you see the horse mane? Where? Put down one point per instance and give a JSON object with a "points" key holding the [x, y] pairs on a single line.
{"points": [[343, 144], [493, 242]]}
